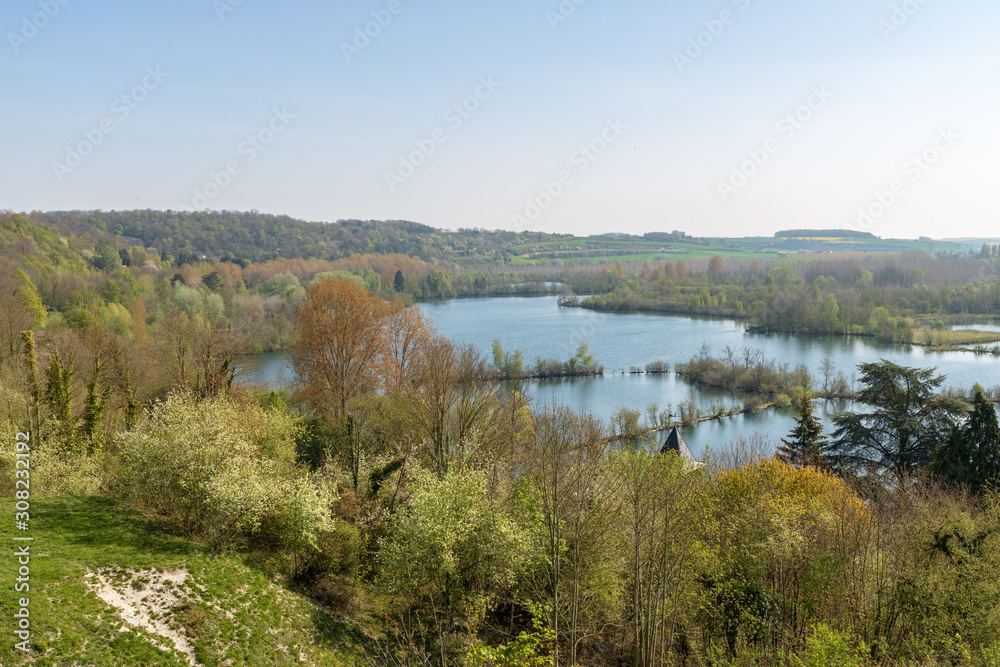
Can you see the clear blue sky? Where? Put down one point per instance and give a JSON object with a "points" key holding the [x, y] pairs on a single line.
{"points": [[330, 124]]}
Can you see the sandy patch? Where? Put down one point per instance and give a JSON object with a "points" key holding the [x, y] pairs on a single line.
{"points": [[145, 598]]}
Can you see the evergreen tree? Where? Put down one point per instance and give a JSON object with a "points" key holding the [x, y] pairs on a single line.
{"points": [[953, 460], [971, 456], [906, 423], [983, 431], [213, 281], [806, 444], [398, 281]]}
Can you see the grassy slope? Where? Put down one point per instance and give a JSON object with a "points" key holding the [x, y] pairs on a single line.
{"points": [[241, 618]]}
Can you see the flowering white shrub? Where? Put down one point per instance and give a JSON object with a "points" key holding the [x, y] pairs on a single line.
{"points": [[217, 467], [303, 511]]}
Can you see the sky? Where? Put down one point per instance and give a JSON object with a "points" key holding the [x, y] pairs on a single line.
{"points": [[718, 118]]}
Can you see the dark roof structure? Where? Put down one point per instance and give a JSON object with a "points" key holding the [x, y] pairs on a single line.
{"points": [[675, 443]]}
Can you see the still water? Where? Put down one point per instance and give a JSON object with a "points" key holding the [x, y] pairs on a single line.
{"points": [[540, 328]]}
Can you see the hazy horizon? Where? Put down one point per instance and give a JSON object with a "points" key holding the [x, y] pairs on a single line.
{"points": [[730, 119]]}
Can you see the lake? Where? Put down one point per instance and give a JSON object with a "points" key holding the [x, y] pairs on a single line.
{"points": [[540, 328]]}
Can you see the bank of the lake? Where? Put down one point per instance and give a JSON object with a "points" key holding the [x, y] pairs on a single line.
{"points": [[540, 328]]}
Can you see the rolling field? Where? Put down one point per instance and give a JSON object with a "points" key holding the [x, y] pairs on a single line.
{"points": [[636, 249]]}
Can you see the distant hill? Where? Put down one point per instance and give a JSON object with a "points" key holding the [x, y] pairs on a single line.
{"points": [[823, 234], [259, 237], [68, 240]]}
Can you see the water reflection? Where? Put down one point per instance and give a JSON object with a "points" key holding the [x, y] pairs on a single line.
{"points": [[540, 328]]}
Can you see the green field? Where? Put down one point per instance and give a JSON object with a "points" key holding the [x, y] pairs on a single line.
{"points": [[629, 250], [637, 249]]}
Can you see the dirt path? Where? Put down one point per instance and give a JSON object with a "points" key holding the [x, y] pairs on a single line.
{"points": [[144, 598]]}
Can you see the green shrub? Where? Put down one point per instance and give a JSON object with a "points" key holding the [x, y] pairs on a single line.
{"points": [[527, 650], [452, 543], [330, 572], [337, 552], [52, 473], [827, 647]]}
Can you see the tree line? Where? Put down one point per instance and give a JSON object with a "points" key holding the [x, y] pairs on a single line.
{"points": [[258, 237], [887, 301]]}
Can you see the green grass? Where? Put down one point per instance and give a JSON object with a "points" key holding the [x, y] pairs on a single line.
{"points": [[239, 614]]}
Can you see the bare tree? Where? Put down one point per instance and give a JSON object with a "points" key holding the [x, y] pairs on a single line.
{"points": [[341, 338], [438, 395]]}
